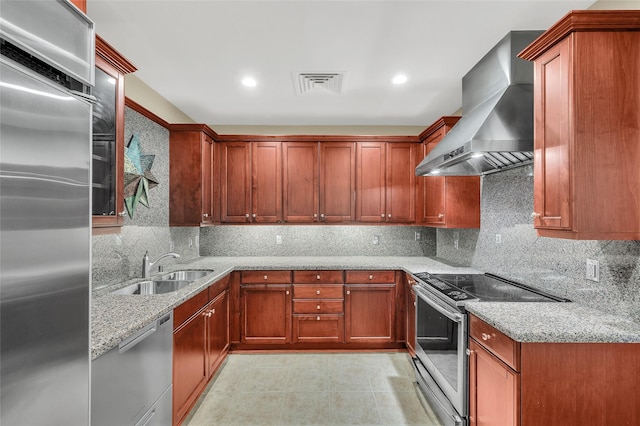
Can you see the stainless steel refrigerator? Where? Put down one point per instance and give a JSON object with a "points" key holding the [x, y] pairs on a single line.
{"points": [[46, 70]]}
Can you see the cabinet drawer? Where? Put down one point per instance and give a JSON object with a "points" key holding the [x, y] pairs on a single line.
{"points": [[359, 277], [502, 346], [317, 306], [310, 277], [318, 328], [188, 308], [318, 291], [259, 277]]}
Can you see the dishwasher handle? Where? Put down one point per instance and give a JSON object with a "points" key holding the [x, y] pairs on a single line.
{"points": [[141, 335]]}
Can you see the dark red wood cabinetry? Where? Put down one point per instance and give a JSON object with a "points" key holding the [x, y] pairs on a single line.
{"points": [[193, 179], [370, 306], [447, 201], [200, 343], [586, 103]]}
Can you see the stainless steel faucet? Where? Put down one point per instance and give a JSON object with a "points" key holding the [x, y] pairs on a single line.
{"points": [[146, 265]]}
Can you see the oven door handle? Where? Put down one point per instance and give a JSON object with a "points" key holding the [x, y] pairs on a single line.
{"points": [[453, 316]]}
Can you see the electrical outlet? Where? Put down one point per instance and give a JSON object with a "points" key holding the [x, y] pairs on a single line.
{"points": [[278, 239], [376, 240], [197, 241], [418, 236], [593, 270], [498, 239], [190, 242], [172, 245], [455, 244]]}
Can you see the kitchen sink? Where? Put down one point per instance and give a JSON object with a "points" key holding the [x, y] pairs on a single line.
{"points": [[188, 275], [153, 287]]}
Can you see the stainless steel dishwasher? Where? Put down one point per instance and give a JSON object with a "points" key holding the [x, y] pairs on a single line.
{"points": [[131, 384]]}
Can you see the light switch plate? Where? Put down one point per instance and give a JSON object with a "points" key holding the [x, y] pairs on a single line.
{"points": [[593, 270]]}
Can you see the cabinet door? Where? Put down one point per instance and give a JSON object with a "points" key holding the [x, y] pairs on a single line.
{"points": [[370, 182], [206, 177], [433, 187], [266, 176], [370, 312], [266, 313], [337, 181], [300, 181], [108, 148], [189, 364], [552, 182], [494, 390], [235, 181], [318, 328], [401, 183], [217, 330]]}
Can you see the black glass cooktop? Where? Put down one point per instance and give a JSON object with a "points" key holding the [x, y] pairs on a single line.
{"points": [[483, 287]]}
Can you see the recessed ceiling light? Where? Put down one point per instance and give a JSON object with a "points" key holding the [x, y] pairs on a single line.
{"points": [[399, 79], [249, 82]]}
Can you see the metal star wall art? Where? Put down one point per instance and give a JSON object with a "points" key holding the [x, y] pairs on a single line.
{"points": [[138, 179]]}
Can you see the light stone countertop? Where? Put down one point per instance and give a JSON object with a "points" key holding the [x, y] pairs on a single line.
{"points": [[116, 317], [532, 322]]}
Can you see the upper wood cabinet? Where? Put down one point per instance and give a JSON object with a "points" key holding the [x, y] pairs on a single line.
{"points": [[193, 179], [80, 4], [447, 201], [300, 182], [385, 182], [337, 181], [108, 139], [235, 182], [586, 125]]}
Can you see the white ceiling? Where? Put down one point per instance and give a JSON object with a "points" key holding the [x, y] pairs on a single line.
{"points": [[195, 53]]}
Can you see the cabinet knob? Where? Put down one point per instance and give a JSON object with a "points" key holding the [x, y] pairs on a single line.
{"points": [[208, 314], [370, 277], [382, 215], [266, 277], [317, 278], [213, 311], [535, 215], [441, 215], [253, 215], [486, 336], [469, 351], [318, 307], [315, 215], [286, 292], [321, 215], [348, 292], [317, 291], [389, 215], [205, 215], [122, 213], [246, 215], [317, 318]]}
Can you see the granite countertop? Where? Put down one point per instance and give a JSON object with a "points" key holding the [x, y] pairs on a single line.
{"points": [[116, 317], [555, 322]]}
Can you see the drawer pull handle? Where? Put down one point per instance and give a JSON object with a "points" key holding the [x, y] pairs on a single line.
{"points": [[318, 307], [317, 291], [317, 318], [286, 292], [486, 336], [441, 215], [317, 277], [348, 292], [246, 215], [370, 277], [266, 277], [382, 215]]}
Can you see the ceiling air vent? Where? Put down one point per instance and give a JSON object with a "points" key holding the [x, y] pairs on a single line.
{"points": [[306, 82]]}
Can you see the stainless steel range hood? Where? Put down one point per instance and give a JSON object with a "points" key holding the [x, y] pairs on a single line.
{"points": [[496, 129]]}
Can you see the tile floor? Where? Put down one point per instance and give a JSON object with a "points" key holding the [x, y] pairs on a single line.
{"points": [[313, 389]]}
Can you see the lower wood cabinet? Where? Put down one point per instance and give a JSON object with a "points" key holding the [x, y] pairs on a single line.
{"points": [[370, 300], [200, 343], [531, 384], [265, 307]]}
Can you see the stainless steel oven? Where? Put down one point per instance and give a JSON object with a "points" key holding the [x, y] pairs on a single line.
{"points": [[441, 362]]}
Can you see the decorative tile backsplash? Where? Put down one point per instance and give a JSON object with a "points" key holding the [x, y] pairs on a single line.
{"points": [[551, 264]]}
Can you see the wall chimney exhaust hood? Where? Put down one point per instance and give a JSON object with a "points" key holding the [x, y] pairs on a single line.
{"points": [[495, 132]]}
